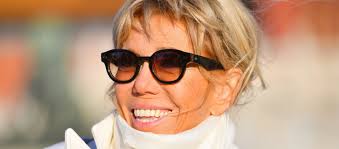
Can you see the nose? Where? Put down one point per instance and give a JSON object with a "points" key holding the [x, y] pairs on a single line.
{"points": [[145, 83]]}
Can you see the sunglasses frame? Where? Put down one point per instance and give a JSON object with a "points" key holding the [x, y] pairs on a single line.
{"points": [[207, 63]]}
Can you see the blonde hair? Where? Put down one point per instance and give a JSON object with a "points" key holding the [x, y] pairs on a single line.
{"points": [[223, 27]]}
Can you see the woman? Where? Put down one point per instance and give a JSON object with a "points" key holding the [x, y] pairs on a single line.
{"points": [[178, 66]]}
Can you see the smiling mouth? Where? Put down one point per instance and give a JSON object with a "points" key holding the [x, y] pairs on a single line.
{"points": [[149, 116]]}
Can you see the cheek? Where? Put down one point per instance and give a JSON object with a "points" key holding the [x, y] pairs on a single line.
{"points": [[190, 92], [121, 92]]}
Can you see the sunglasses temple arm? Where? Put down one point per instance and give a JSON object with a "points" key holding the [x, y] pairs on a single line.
{"points": [[208, 64]]}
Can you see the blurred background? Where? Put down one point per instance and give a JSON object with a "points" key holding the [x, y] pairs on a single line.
{"points": [[51, 76]]}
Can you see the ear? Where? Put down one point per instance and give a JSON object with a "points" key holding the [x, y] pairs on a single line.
{"points": [[225, 90]]}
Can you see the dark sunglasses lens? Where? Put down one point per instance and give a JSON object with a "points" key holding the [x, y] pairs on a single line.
{"points": [[122, 65], [167, 66]]}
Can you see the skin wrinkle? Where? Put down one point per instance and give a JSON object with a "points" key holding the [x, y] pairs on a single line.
{"points": [[184, 114]]}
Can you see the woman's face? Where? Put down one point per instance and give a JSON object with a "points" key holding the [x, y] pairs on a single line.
{"points": [[150, 106]]}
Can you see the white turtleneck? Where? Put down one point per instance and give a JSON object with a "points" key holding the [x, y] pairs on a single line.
{"points": [[216, 132]]}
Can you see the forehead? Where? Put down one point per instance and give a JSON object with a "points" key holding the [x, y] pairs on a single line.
{"points": [[163, 33]]}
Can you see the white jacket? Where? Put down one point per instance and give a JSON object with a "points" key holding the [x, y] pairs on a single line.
{"points": [[114, 133]]}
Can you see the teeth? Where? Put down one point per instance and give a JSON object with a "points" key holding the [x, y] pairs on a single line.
{"points": [[149, 113], [157, 113]]}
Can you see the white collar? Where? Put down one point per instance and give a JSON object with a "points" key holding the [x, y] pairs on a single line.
{"points": [[215, 132]]}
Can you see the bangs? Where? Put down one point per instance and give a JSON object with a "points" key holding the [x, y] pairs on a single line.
{"points": [[139, 17]]}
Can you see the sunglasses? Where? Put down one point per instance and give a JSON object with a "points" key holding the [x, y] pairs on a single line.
{"points": [[167, 66]]}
